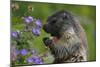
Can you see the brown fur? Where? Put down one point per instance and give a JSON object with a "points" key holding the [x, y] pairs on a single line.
{"points": [[72, 43]]}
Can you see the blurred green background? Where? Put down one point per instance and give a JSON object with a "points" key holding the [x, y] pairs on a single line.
{"points": [[84, 13]]}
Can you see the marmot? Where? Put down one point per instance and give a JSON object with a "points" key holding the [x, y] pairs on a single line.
{"points": [[69, 42]]}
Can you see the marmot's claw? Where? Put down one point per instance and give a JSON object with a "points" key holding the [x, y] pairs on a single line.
{"points": [[47, 41]]}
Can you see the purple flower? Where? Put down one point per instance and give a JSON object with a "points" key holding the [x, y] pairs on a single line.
{"points": [[36, 31], [41, 62], [37, 60], [28, 19], [23, 52], [38, 23], [35, 57], [14, 34], [30, 60]]}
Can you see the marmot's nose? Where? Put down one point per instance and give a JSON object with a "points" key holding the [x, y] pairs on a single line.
{"points": [[45, 27]]}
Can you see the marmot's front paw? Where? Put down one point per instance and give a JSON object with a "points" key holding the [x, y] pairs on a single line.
{"points": [[47, 41]]}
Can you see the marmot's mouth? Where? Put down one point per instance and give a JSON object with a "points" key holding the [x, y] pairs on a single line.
{"points": [[55, 38]]}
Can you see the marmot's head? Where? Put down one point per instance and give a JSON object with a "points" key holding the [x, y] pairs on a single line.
{"points": [[58, 23]]}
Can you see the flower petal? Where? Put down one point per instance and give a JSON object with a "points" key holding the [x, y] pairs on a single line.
{"points": [[38, 23], [23, 52]]}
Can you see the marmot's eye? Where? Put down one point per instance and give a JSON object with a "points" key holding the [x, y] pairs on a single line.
{"points": [[53, 21]]}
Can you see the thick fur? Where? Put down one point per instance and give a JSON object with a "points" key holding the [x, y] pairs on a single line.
{"points": [[71, 44]]}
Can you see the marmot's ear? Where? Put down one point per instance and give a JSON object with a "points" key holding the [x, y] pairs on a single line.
{"points": [[67, 15]]}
